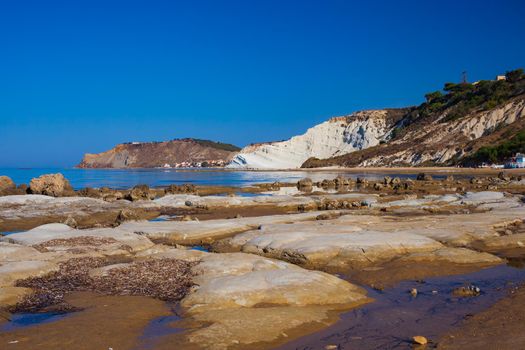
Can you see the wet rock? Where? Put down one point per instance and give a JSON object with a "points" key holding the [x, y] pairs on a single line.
{"points": [[140, 192], [55, 185], [327, 184], [424, 177], [387, 180], [305, 184], [341, 181], [449, 178], [419, 339], [468, 291], [361, 181], [378, 186]]}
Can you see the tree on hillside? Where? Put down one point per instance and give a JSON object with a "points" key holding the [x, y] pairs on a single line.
{"points": [[433, 95], [514, 75]]}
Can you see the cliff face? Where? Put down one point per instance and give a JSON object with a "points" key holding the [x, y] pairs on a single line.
{"points": [[157, 154], [337, 136], [436, 141]]}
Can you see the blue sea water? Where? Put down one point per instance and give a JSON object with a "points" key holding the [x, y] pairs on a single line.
{"points": [[126, 178]]}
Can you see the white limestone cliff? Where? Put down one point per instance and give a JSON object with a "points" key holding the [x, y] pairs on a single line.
{"points": [[336, 136]]}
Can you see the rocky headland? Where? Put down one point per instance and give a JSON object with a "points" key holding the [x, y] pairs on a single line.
{"points": [[175, 153]]}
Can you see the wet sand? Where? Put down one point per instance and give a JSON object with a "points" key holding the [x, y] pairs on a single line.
{"points": [[502, 326], [105, 322]]}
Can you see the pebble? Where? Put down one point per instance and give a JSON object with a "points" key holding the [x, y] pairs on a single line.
{"points": [[419, 339], [413, 291], [330, 347], [468, 291]]}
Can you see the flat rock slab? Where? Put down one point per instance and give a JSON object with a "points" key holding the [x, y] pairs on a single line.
{"points": [[457, 230], [242, 299], [32, 205], [118, 241], [191, 232], [334, 246], [181, 200], [12, 271], [453, 256], [10, 252], [483, 200]]}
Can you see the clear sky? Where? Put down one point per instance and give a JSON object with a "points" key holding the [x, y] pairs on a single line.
{"points": [[82, 76]]}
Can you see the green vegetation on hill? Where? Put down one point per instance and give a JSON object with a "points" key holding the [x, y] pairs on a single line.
{"points": [[218, 145], [458, 100], [500, 152]]}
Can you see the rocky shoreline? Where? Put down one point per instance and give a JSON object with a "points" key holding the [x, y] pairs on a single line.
{"points": [[284, 262]]}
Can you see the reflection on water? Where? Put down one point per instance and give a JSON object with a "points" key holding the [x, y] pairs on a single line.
{"points": [[6, 233], [126, 178], [30, 319]]}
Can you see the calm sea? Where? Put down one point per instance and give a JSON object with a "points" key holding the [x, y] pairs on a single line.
{"points": [[126, 178]]}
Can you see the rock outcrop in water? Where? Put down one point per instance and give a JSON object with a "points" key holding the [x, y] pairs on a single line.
{"points": [[182, 152]]}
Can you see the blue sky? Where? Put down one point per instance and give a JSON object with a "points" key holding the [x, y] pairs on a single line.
{"points": [[82, 76]]}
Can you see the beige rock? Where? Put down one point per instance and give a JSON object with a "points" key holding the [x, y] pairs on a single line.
{"points": [[238, 280], [190, 232], [243, 299], [9, 296], [160, 251], [119, 241], [55, 185], [419, 339], [453, 255], [334, 246], [244, 327], [12, 271], [15, 252]]}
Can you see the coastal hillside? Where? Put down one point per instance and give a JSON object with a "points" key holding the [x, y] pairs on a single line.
{"points": [[465, 123], [175, 153]]}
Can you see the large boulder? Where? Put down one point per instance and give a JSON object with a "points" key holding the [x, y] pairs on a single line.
{"points": [[55, 185]]}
